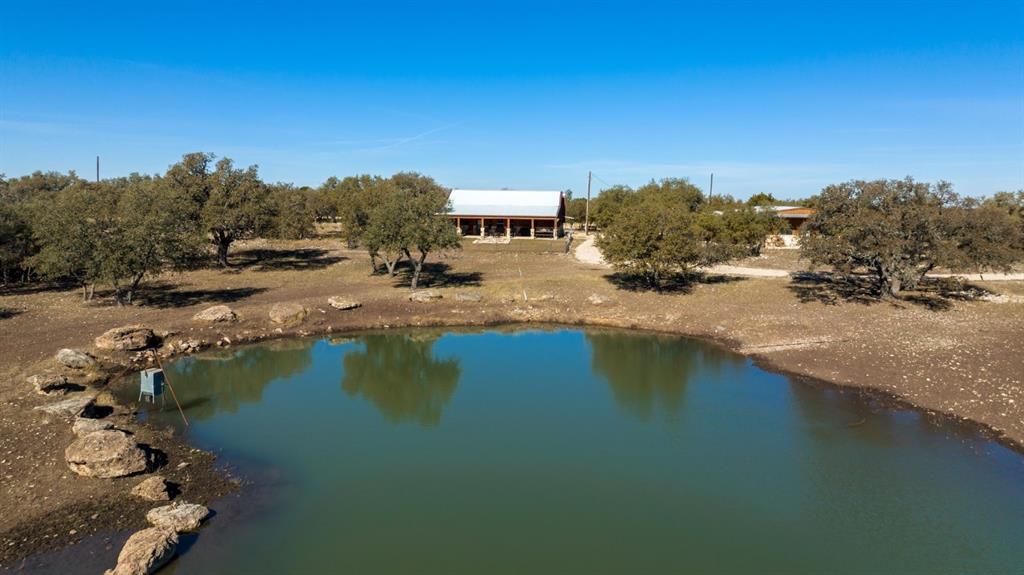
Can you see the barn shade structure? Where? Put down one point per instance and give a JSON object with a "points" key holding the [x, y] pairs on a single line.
{"points": [[508, 213], [795, 216]]}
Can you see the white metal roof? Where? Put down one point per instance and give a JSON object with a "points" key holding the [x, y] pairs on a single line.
{"points": [[780, 209], [506, 203]]}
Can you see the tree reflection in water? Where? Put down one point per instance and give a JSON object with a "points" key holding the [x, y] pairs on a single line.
{"points": [[233, 378], [645, 373], [400, 376]]}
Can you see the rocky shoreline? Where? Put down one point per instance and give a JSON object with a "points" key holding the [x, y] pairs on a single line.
{"points": [[112, 445]]}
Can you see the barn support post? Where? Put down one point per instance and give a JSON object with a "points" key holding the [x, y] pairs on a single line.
{"points": [[508, 228], [533, 228]]}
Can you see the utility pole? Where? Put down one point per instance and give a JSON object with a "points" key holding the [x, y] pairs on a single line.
{"points": [[97, 169], [711, 190], [586, 224]]}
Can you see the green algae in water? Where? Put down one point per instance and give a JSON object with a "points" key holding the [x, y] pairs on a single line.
{"points": [[579, 451]]}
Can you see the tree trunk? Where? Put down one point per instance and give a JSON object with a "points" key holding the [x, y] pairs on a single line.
{"points": [[417, 267], [391, 264], [891, 286], [222, 252], [373, 263], [134, 287]]}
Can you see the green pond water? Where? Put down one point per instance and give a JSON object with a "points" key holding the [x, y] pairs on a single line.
{"points": [[576, 451]]}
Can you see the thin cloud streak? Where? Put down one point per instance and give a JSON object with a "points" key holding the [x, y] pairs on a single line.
{"points": [[403, 141]]}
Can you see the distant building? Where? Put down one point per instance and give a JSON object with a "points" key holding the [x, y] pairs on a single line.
{"points": [[509, 213], [796, 217]]}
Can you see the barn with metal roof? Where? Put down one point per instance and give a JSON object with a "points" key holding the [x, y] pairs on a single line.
{"points": [[508, 213]]}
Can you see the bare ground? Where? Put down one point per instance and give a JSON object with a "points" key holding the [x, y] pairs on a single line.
{"points": [[950, 355]]}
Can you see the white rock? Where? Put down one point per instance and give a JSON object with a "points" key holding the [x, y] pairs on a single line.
{"points": [[107, 453], [75, 359], [146, 551], [71, 406], [153, 489], [217, 313], [49, 384], [424, 296], [338, 302], [86, 425], [126, 338], [178, 516], [288, 313]]}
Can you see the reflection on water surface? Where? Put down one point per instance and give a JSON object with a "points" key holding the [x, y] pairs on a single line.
{"points": [[579, 451]]}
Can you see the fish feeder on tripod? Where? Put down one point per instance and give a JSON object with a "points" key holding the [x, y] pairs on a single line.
{"points": [[151, 385]]}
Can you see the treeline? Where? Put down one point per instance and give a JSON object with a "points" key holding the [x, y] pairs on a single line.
{"points": [[894, 230], [605, 204], [117, 232]]}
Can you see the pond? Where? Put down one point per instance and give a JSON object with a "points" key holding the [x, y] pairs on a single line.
{"points": [[578, 451]]}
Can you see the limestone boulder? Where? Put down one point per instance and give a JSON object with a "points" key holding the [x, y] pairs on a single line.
{"points": [[71, 406], [105, 454], [424, 296], [216, 314], [146, 552], [86, 425], [178, 516], [126, 338], [468, 296], [343, 303], [49, 384], [75, 359], [288, 313], [154, 488], [596, 299]]}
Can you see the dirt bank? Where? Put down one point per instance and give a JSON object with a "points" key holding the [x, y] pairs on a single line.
{"points": [[964, 358]]}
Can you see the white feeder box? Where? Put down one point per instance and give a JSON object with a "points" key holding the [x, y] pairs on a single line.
{"points": [[151, 384]]}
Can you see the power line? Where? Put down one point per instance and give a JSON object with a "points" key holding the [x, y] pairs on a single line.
{"points": [[601, 180]]}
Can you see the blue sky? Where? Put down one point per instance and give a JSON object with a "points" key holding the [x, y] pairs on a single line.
{"points": [[776, 97]]}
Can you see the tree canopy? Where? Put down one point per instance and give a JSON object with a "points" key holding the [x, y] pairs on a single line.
{"points": [[665, 228], [899, 230], [408, 219], [116, 232]]}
